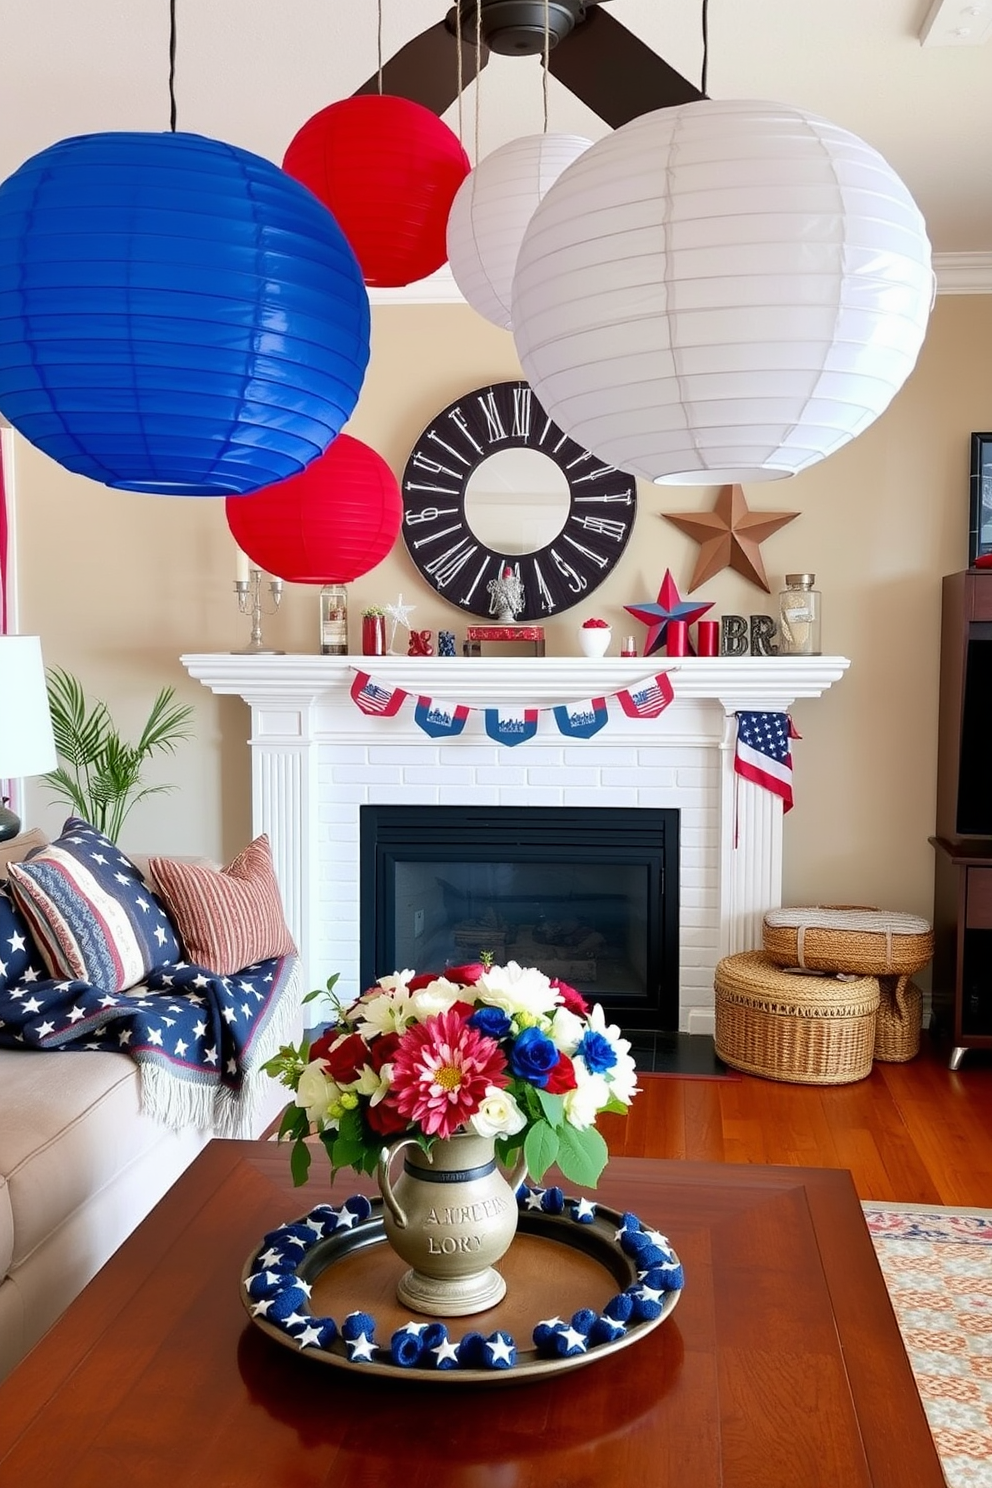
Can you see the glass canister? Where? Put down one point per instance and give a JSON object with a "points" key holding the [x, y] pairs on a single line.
{"points": [[334, 620], [799, 616]]}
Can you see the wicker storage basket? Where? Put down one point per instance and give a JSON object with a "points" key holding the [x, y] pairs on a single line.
{"points": [[811, 1030], [900, 1018], [868, 942]]}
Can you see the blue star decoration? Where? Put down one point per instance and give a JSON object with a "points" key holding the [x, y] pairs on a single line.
{"points": [[669, 606]]}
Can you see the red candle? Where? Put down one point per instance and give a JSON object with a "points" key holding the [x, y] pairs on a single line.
{"points": [[708, 638], [677, 637]]}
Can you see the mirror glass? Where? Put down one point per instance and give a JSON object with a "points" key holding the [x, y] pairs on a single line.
{"points": [[517, 501]]}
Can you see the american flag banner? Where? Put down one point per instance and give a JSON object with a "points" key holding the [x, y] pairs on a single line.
{"points": [[440, 720], [582, 720], [763, 754], [648, 698], [373, 697]]}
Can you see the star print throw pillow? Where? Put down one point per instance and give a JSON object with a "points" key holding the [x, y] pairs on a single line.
{"points": [[90, 911], [228, 919]]}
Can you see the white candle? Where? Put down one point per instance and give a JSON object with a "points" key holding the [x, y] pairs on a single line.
{"points": [[242, 566]]}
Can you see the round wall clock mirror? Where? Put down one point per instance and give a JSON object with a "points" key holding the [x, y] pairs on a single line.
{"points": [[492, 483]]}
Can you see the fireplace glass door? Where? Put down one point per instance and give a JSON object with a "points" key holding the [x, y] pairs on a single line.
{"points": [[588, 894]]}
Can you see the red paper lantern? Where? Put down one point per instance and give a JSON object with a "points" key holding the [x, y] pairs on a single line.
{"points": [[328, 525], [388, 169]]}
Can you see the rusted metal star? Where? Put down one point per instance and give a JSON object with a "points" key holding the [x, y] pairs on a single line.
{"points": [[729, 536]]}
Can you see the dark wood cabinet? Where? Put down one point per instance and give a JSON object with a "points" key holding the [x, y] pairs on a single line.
{"points": [[962, 964]]}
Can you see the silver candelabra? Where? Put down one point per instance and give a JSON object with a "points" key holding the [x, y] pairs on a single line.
{"points": [[249, 592]]}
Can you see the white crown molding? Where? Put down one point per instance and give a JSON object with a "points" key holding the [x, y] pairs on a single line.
{"points": [[957, 273]]}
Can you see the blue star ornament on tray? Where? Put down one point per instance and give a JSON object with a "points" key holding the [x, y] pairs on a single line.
{"points": [[668, 606]]}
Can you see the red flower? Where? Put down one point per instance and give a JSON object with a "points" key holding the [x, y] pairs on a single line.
{"points": [[562, 1078], [423, 980], [385, 1118], [572, 1000], [441, 1071], [382, 1049], [343, 1057], [595, 625], [467, 975]]}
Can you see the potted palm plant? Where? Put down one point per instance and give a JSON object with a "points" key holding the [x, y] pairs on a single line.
{"points": [[99, 773]]}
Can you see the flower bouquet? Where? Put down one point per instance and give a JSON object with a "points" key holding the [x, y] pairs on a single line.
{"points": [[498, 1051]]}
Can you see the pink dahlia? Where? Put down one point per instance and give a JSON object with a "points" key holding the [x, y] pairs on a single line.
{"points": [[441, 1070]]}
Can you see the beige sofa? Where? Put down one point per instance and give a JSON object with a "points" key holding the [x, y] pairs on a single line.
{"points": [[80, 1166]]}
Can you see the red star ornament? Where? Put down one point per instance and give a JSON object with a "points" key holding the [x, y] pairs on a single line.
{"points": [[669, 606], [729, 536]]}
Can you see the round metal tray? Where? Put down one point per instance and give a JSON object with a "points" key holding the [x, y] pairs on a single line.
{"points": [[554, 1267]]}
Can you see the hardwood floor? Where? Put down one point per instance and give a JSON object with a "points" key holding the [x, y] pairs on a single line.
{"points": [[913, 1132]]}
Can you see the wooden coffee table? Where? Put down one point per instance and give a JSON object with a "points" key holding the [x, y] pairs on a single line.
{"points": [[782, 1366]]}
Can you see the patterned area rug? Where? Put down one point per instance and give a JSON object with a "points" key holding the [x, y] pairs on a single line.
{"points": [[937, 1264]]}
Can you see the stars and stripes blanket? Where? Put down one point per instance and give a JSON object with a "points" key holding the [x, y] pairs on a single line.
{"points": [[199, 1040]]}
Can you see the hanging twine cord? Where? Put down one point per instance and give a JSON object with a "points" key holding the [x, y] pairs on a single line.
{"points": [[172, 65], [461, 72], [547, 53], [706, 48], [478, 73], [378, 44]]}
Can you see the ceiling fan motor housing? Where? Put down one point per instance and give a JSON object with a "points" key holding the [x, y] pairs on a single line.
{"points": [[515, 28]]}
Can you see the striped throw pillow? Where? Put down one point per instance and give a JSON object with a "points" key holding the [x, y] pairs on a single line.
{"points": [[230, 919], [92, 915]]}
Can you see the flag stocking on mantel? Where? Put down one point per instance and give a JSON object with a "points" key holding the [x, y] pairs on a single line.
{"points": [[763, 755]]}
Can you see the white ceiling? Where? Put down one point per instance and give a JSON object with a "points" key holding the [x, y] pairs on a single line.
{"points": [[252, 71]]}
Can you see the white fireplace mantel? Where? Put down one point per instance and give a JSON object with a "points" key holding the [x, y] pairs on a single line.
{"points": [[316, 759]]}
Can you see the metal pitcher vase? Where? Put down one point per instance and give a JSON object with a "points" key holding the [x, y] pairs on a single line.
{"points": [[451, 1214]]}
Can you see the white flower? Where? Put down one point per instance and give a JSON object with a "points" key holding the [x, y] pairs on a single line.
{"points": [[316, 1093], [584, 1103], [438, 997], [622, 1077], [383, 1012], [374, 1085], [517, 989], [566, 1030], [498, 1114], [396, 981]]}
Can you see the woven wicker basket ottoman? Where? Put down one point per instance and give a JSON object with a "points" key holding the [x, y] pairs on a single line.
{"points": [[869, 942], [899, 1021], [808, 1030]]}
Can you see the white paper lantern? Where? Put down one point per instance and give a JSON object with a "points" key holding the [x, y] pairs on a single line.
{"points": [[490, 213], [721, 292]]}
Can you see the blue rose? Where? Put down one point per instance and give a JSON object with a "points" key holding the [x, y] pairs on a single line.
{"points": [[491, 1021], [598, 1053], [533, 1057]]}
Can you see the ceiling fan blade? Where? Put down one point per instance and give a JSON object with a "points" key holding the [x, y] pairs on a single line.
{"points": [[616, 74], [426, 69]]}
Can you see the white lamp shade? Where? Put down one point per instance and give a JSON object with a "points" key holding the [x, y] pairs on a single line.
{"points": [[490, 213], [27, 746], [722, 292]]}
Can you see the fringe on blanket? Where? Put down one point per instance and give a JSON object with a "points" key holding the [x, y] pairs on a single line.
{"points": [[209, 1106]]}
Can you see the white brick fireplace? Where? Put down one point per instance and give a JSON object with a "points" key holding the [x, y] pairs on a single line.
{"points": [[316, 758]]}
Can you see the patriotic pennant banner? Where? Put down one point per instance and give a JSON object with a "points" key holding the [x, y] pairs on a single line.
{"points": [[511, 725], [440, 720], [516, 724], [648, 698], [582, 720], [371, 697]]}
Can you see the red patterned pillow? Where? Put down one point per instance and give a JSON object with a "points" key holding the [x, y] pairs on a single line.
{"points": [[227, 919]]}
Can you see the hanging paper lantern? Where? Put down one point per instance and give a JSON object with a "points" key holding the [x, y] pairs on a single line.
{"points": [[722, 292], [329, 524], [388, 169], [176, 315], [491, 211]]}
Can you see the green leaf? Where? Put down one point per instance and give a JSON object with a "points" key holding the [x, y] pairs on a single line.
{"points": [[553, 1107], [540, 1149], [582, 1155], [299, 1163], [290, 1125]]}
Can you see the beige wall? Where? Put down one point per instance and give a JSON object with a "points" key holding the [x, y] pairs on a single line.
{"points": [[120, 585]]}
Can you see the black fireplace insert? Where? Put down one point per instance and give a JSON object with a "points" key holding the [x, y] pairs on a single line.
{"points": [[588, 894]]}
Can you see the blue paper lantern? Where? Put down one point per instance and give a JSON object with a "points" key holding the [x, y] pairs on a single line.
{"points": [[177, 315]]}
